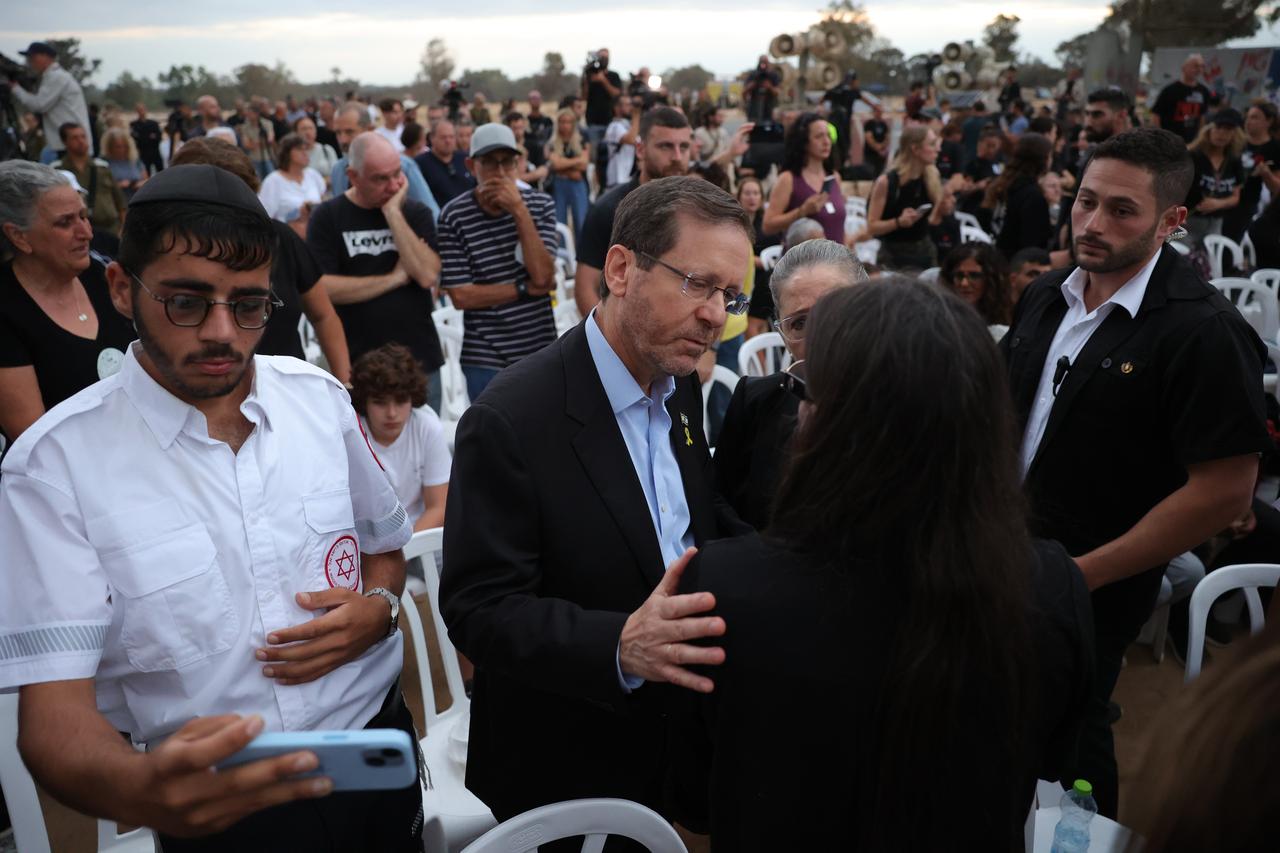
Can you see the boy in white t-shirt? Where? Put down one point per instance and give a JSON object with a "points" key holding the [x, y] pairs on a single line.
{"points": [[389, 390]]}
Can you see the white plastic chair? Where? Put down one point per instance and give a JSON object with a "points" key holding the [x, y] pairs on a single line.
{"points": [[930, 276], [1217, 245], [720, 375], [1250, 253], [856, 204], [1180, 247], [974, 234], [24, 804], [567, 249], [453, 816], [1246, 577], [771, 347], [1255, 301], [769, 257], [453, 384], [1268, 278], [596, 819], [310, 343]]}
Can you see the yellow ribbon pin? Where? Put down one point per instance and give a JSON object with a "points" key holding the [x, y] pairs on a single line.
{"points": [[688, 439]]}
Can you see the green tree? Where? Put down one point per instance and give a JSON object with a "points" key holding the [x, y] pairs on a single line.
{"points": [[256, 79], [492, 82], [436, 64], [1174, 23], [851, 21], [184, 82], [1073, 51], [69, 57], [551, 81], [127, 90], [692, 77], [1000, 35]]}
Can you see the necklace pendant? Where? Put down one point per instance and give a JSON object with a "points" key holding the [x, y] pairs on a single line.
{"points": [[84, 318]]}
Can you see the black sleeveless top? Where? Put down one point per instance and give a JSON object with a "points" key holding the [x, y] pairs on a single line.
{"points": [[899, 198]]}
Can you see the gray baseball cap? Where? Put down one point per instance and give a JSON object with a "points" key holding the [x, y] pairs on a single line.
{"points": [[492, 137]]}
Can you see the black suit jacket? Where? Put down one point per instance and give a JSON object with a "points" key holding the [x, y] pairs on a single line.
{"points": [[753, 445], [548, 547], [1179, 383]]}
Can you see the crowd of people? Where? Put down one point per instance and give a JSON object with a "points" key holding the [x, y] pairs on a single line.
{"points": [[915, 560]]}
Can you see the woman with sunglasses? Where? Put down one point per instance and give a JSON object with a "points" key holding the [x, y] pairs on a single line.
{"points": [[58, 330], [928, 658], [762, 412]]}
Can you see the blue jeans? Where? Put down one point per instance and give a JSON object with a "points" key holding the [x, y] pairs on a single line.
{"points": [[478, 378], [571, 194], [435, 391], [727, 356]]}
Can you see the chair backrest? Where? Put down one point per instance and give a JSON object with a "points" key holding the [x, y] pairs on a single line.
{"points": [[1247, 577], [930, 276], [23, 803], [424, 545], [768, 347], [1180, 247], [1217, 245], [973, 234], [1250, 253], [596, 819], [310, 343], [567, 250], [769, 257], [453, 384], [856, 204], [1256, 302], [1268, 278], [720, 375]]}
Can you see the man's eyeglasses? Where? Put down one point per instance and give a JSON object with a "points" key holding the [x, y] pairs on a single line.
{"points": [[792, 328], [695, 288], [188, 309]]}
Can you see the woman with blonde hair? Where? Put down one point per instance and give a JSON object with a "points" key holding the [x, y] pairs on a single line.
{"points": [[121, 154], [568, 159], [1220, 173], [906, 200]]}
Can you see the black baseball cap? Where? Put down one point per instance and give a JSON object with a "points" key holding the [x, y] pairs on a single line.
{"points": [[199, 182], [38, 47], [1227, 118]]}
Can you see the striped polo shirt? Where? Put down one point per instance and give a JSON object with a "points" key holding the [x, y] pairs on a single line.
{"points": [[476, 248]]}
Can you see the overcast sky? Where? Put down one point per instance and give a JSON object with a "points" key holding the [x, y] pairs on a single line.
{"points": [[383, 44]]}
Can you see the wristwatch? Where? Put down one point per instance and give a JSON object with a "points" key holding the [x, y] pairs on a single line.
{"points": [[522, 290], [393, 600]]}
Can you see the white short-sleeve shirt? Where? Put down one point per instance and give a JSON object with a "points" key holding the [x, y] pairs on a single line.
{"points": [[418, 458], [283, 197], [147, 556]]}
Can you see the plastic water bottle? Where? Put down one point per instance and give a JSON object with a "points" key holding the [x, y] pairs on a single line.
{"points": [[1071, 835]]}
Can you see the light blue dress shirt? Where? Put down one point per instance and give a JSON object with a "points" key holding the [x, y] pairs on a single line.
{"points": [[646, 430], [418, 189]]}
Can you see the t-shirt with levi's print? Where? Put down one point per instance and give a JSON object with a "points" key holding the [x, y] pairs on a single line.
{"points": [[350, 240]]}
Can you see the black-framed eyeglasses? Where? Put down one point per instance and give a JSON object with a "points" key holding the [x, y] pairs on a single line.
{"points": [[188, 309], [793, 380], [792, 328], [965, 275], [695, 288]]}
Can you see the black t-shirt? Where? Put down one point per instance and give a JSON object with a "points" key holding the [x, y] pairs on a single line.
{"points": [[347, 239], [446, 180], [877, 130], [597, 228], [898, 197], [540, 129], [1181, 108], [950, 155], [146, 135], [980, 170], [326, 136], [945, 235], [1253, 155], [599, 101], [64, 363], [294, 271], [1214, 183], [1025, 223]]}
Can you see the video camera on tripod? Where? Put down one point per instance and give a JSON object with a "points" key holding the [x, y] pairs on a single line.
{"points": [[11, 144]]}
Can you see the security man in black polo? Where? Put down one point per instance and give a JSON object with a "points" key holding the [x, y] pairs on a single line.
{"points": [[1140, 390]]}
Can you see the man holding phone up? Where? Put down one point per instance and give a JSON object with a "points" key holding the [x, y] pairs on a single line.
{"points": [[228, 564]]}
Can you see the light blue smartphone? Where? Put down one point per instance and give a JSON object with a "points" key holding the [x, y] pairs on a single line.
{"points": [[364, 760]]}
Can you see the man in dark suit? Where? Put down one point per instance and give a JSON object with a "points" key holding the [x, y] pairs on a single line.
{"points": [[1140, 389], [579, 475]]}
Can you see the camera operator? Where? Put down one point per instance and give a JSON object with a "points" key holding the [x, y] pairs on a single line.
{"points": [[58, 98], [599, 87], [452, 98], [761, 91]]}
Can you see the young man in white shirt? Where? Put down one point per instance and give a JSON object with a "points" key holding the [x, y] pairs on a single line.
{"points": [[620, 136], [209, 549]]}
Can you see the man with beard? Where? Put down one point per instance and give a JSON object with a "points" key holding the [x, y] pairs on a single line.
{"points": [[662, 150], [1140, 390], [579, 476], [207, 566]]}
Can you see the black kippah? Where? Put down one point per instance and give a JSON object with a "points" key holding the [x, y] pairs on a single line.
{"points": [[199, 182]]}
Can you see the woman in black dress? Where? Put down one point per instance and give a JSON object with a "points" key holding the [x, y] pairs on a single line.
{"points": [[58, 330], [901, 661]]}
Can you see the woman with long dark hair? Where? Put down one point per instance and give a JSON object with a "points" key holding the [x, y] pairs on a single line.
{"points": [[807, 186], [978, 274], [901, 660], [1016, 203]]}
